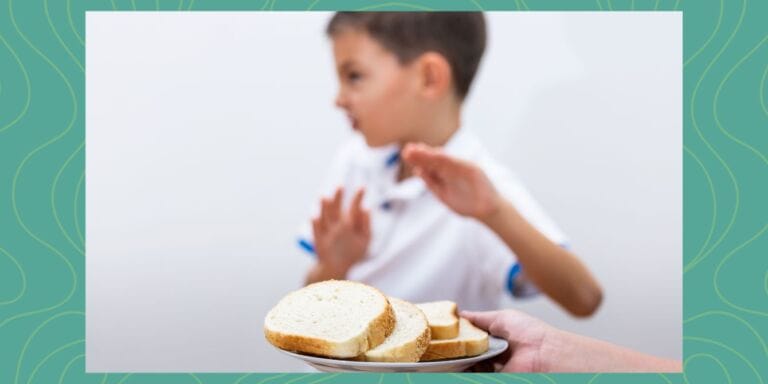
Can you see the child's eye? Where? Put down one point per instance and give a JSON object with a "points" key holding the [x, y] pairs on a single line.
{"points": [[354, 76]]}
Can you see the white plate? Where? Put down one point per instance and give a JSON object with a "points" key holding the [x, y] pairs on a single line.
{"points": [[495, 347]]}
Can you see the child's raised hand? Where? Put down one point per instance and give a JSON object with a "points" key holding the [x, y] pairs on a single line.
{"points": [[341, 238], [459, 184]]}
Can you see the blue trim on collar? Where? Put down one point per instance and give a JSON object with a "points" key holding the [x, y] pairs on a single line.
{"points": [[393, 159], [307, 246]]}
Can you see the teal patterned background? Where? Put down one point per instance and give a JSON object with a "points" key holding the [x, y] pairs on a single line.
{"points": [[42, 160]]}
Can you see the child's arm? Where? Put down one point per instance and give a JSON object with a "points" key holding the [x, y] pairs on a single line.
{"points": [[554, 270], [341, 238], [466, 189]]}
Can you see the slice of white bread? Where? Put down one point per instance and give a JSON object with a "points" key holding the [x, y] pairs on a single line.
{"points": [[471, 341], [410, 338], [442, 317], [332, 318]]}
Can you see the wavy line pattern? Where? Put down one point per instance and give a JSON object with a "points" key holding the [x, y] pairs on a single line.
{"points": [[42, 149]]}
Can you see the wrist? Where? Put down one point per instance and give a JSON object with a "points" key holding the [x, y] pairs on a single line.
{"points": [[551, 350], [328, 271], [493, 215]]}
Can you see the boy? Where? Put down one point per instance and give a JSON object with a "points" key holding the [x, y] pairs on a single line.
{"points": [[403, 78]]}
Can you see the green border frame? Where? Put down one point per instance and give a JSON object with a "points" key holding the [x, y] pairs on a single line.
{"points": [[42, 174]]}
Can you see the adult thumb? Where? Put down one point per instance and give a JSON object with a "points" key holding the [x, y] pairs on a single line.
{"points": [[490, 321]]}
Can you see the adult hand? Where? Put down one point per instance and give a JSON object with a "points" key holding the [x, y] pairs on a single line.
{"points": [[535, 346], [525, 335]]}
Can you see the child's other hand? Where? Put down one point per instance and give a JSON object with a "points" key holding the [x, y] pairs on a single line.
{"points": [[341, 238], [461, 185]]}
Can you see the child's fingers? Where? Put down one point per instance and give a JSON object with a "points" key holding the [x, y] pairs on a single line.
{"points": [[361, 222], [446, 163], [420, 155], [325, 207], [335, 206], [317, 229], [357, 200], [357, 207], [431, 179], [365, 225], [437, 189], [432, 159], [318, 232]]}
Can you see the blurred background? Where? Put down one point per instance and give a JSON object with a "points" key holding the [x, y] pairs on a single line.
{"points": [[208, 135]]}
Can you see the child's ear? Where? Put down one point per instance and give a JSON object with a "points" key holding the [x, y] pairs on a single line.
{"points": [[435, 72]]}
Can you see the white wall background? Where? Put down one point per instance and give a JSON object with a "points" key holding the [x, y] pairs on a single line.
{"points": [[208, 135]]}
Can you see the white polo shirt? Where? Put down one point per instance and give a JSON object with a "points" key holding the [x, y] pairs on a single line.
{"points": [[420, 250]]}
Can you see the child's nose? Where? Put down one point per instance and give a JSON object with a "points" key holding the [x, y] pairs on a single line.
{"points": [[341, 100]]}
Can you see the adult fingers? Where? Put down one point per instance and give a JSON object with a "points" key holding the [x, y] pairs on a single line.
{"points": [[491, 321]]}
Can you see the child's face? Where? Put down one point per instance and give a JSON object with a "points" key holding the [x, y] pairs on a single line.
{"points": [[378, 94]]}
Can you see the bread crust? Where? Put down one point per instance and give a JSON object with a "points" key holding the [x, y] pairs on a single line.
{"points": [[446, 331], [451, 349], [444, 350], [443, 332], [375, 334], [408, 352]]}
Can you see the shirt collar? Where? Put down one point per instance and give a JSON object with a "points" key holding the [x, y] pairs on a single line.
{"points": [[411, 188], [457, 145]]}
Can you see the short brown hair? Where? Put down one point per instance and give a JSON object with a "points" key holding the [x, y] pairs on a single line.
{"points": [[459, 36]]}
